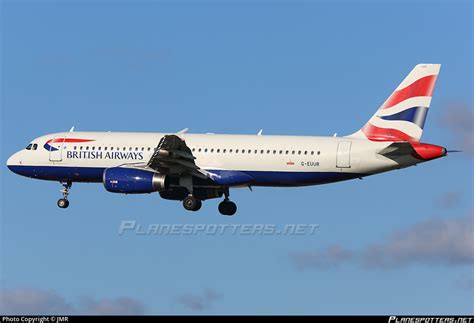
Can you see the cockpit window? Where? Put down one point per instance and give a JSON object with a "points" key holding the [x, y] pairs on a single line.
{"points": [[29, 147], [35, 146]]}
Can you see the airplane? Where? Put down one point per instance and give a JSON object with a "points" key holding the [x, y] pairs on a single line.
{"points": [[196, 167]]}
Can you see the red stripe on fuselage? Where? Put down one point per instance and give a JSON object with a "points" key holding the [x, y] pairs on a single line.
{"points": [[421, 87], [68, 140]]}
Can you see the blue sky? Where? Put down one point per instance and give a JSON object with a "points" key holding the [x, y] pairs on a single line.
{"points": [[398, 242]]}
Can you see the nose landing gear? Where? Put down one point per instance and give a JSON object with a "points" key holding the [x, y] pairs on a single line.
{"points": [[64, 202]]}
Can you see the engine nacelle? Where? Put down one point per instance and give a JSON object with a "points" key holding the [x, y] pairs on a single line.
{"points": [[133, 181]]}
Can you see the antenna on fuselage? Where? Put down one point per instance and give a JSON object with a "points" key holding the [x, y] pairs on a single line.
{"points": [[260, 132], [72, 129]]}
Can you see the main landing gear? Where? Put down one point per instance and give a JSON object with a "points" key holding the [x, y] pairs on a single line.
{"points": [[227, 207], [64, 202], [191, 203]]}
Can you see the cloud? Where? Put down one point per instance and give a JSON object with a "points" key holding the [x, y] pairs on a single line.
{"points": [[32, 301], [117, 306], [330, 257], [35, 301], [435, 242], [449, 200], [458, 118], [199, 302]]}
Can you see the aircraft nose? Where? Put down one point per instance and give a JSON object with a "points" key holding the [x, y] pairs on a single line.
{"points": [[13, 161]]}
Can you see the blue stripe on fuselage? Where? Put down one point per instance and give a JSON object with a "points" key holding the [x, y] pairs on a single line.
{"points": [[59, 173], [254, 178], [272, 178]]}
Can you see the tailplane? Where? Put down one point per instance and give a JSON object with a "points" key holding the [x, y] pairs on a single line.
{"points": [[402, 116]]}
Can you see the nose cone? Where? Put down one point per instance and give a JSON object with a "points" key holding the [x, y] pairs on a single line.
{"points": [[13, 162]]}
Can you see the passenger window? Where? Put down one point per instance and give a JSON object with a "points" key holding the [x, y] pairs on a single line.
{"points": [[286, 152], [293, 152], [236, 150], [80, 148], [274, 152], [87, 147], [99, 148], [75, 147], [299, 152], [312, 152], [105, 148], [249, 151], [243, 151], [218, 150], [305, 152], [261, 151], [281, 152], [136, 148], [223, 150], [212, 150], [256, 151], [268, 151], [205, 150], [199, 150], [93, 148], [319, 152], [230, 150], [148, 148]]}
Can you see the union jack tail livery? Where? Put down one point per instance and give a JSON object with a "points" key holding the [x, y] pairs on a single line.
{"points": [[402, 116]]}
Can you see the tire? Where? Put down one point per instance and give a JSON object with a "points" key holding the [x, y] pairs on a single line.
{"points": [[198, 206], [190, 203], [227, 208], [63, 203]]}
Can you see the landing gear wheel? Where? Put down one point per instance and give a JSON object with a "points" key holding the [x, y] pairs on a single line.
{"points": [[227, 208], [63, 203], [190, 203], [198, 206]]}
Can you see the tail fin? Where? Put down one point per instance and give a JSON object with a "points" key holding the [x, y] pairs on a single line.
{"points": [[402, 116]]}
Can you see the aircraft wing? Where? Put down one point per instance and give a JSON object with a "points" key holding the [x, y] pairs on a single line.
{"points": [[173, 156]]}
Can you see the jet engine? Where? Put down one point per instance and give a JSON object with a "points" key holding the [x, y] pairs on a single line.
{"points": [[133, 181]]}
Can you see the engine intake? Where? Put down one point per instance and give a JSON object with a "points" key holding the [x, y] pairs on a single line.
{"points": [[133, 181]]}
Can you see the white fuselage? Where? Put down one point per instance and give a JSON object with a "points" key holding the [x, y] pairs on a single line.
{"points": [[270, 160]]}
